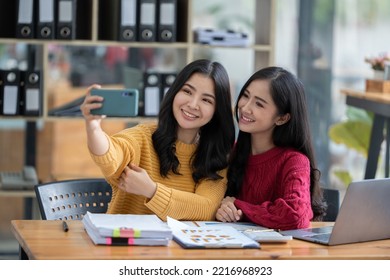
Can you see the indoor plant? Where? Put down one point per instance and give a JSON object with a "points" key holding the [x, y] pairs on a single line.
{"points": [[378, 62]]}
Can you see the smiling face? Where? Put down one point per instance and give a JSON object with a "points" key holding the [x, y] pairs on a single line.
{"points": [[194, 106], [258, 113]]}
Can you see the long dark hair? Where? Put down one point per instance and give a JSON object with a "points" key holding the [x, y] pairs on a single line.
{"points": [[216, 137], [288, 95]]}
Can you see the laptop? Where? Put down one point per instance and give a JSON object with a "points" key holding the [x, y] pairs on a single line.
{"points": [[364, 215]]}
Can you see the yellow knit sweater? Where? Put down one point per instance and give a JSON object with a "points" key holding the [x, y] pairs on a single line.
{"points": [[176, 195]]}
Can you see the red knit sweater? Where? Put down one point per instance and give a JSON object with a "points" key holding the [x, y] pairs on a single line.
{"points": [[276, 190]]}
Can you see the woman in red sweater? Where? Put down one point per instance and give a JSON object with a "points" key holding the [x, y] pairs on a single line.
{"points": [[273, 180]]}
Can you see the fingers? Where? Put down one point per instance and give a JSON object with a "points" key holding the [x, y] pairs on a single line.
{"points": [[135, 167], [97, 86], [122, 185], [91, 102], [223, 216], [228, 213], [239, 214]]}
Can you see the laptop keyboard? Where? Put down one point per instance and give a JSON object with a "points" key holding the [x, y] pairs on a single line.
{"points": [[322, 237], [320, 230]]}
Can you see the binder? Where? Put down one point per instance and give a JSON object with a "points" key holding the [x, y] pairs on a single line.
{"points": [[147, 20], [167, 80], [167, 21], [66, 19], [31, 93], [152, 94], [25, 19], [1, 90], [11, 94], [128, 20], [46, 19], [108, 20]]}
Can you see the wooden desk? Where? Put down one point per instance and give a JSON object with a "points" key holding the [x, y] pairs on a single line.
{"points": [[44, 239], [379, 104]]}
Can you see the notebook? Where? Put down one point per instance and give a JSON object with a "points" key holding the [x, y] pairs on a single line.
{"points": [[363, 216]]}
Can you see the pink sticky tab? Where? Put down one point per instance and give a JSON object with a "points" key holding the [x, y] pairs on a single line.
{"points": [[126, 232]]}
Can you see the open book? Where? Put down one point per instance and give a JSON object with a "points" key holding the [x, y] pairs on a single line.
{"points": [[126, 229]]}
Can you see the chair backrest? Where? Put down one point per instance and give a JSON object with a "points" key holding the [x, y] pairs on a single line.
{"points": [[71, 199], [332, 198]]}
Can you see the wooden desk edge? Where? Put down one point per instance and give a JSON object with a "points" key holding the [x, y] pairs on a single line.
{"points": [[22, 243], [374, 96], [381, 248]]}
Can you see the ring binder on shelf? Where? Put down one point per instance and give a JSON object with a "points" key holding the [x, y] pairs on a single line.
{"points": [[147, 20], [167, 80], [25, 19], [11, 94], [31, 93], [2, 77], [167, 21], [66, 19], [46, 19], [152, 94], [128, 20]]}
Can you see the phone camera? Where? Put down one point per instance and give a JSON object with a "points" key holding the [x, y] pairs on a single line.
{"points": [[127, 93]]}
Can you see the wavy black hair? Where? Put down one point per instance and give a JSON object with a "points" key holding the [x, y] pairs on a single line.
{"points": [[288, 94], [216, 137]]}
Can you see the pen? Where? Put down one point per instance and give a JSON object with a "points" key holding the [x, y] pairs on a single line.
{"points": [[259, 230], [65, 226]]}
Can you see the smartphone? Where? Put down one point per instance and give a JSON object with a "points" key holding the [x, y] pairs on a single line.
{"points": [[117, 102]]}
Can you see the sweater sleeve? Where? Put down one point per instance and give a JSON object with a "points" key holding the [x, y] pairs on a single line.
{"points": [[290, 210], [182, 205], [124, 147]]}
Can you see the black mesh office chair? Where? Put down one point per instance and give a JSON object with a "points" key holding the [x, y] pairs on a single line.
{"points": [[71, 199]]}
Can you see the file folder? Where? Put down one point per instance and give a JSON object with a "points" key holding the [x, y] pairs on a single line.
{"points": [[167, 80], [25, 19], [147, 20], [1, 90], [152, 94], [128, 20], [11, 94], [31, 93], [46, 19], [167, 20], [66, 19]]}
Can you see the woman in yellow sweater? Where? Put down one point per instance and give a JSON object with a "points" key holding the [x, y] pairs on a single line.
{"points": [[177, 167]]}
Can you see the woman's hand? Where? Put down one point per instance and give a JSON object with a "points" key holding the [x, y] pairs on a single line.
{"points": [[92, 102], [136, 180], [97, 141], [228, 212]]}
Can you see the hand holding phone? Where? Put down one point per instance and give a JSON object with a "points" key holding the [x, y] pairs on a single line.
{"points": [[117, 102]]}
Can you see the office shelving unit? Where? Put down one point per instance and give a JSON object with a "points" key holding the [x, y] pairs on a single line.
{"points": [[90, 35]]}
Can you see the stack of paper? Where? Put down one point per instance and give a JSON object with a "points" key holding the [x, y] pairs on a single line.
{"points": [[126, 229]]}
